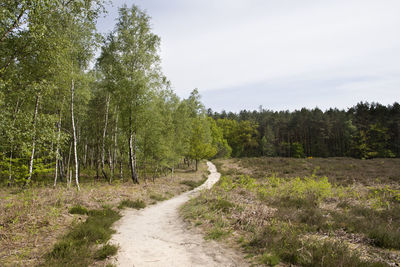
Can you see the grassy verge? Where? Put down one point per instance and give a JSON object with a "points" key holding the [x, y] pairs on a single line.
{"points": [[193, 184], [85, 242], [33, 220], [309, 221]]}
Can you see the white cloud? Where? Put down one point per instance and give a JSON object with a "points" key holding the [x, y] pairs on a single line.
{"points": [[220, 44]]}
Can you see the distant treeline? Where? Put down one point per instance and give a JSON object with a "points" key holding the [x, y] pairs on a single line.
{"points": [[367, 130]]}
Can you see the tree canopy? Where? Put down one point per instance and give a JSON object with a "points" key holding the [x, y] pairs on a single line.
{"points": [[59, 115]]}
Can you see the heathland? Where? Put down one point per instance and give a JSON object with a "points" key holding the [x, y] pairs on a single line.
{"points": [[308, 212]]}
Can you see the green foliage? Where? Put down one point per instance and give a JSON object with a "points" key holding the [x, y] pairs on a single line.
{"points": [[241, 136], [300, 221], [218, 140], [201, 141], [216, 233], [284, 244], [221, 205], [294, 150], [137, 204], [78, 209], [367, 130], [75, 248], [105, 251], [267, 143], [296, 190], [269, 259]]}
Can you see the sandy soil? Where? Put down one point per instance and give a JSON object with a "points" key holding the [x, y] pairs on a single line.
{"points": [[157, 236]]}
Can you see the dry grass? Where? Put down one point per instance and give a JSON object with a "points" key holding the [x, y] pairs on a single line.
{"points": [[353, 215], [341, 171], [32, 220]]}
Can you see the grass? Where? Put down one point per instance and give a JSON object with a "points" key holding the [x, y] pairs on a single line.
{"points": [[76, 248], [193, 184], [105, 251], [34, 219], [78, 209], [216, 233], [306, 212], [137, 204], [158, 197]]}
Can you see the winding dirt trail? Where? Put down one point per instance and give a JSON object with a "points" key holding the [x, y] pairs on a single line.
{"points": [[157, 236]]}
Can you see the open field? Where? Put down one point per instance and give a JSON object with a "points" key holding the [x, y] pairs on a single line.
{"points": [[307, 212], [34, 219]]}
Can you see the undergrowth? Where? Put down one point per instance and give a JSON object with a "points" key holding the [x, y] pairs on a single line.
{"points": [[78, 209], [137, 204], [76, 248]]}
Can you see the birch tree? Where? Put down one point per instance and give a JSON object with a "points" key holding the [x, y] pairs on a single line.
{"points": [[137, 63]]}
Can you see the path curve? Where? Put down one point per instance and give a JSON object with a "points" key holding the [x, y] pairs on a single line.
{"points": [[157, 236]]}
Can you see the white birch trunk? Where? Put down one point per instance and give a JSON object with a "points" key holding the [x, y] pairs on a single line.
{"points": [[115, 143], [33, 139], [104, 137], [132, 158], [74, 135], [57, 150]]}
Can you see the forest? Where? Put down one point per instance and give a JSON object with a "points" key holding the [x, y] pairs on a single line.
{"points": [[367, 130], [63, 110]]}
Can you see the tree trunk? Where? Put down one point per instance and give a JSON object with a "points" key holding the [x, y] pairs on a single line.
{"points": [[115, 142], [57, 148], [69, 161], [104, 138], [61, 168], [110, 163], [120, 171], [135, 151], [196, 164], [12, 144], [85, 155], [131, 156], [74, 135], [33, 139], [10, 167]]}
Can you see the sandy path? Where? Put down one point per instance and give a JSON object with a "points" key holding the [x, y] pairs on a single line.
{"points": [[157, 236]]}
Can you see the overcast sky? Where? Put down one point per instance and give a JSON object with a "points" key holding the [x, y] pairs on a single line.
{"points": [[279, 54]]}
